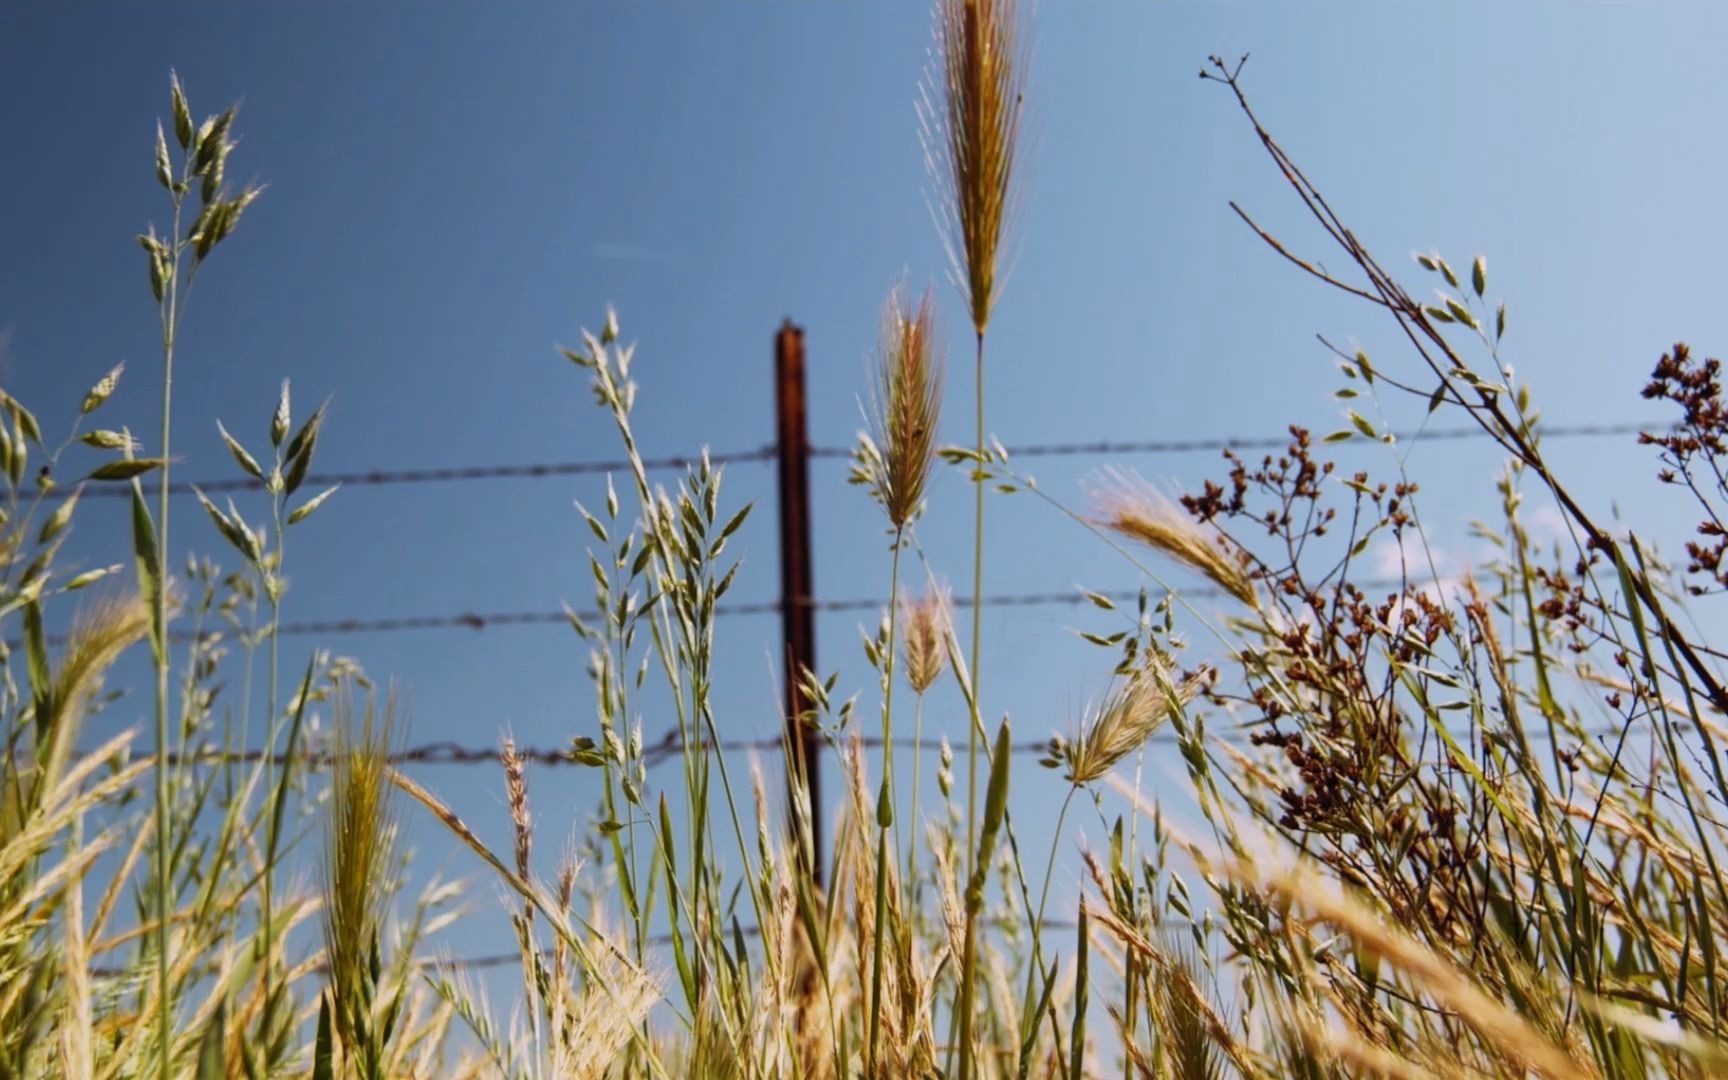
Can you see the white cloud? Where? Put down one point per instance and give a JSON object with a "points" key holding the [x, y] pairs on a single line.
{"points": [[1391, 557]]}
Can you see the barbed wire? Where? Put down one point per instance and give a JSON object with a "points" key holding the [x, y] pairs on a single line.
{"points": [[1264, 442], [766, 453], [655, 941], [473, 620], [478, 620], [457, 473], [493, 960], [662, 750], [449, 752], [452, 753]]}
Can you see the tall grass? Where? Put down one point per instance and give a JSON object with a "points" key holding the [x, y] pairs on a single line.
{"points": [[971, 114], [1466, 826]]}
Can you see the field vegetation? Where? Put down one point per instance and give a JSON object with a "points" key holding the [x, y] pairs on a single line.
{"points": [[1468, 825]]}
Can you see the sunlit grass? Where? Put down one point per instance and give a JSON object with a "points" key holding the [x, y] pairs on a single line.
{"points": [[1469, 827]]}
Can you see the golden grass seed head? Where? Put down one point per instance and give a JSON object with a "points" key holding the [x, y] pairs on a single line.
{"points": [[970, 117], [516, 795], [1124, 720], [101, 631], [359, 840], [906, 408], [929, 620], [1127, 505]]}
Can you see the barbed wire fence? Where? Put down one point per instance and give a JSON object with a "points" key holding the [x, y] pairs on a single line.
{"points": [[767, 453], [452, 753], [669, 745]]}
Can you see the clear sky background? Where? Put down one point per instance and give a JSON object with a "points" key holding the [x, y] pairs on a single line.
{"points": [[454, 188]]}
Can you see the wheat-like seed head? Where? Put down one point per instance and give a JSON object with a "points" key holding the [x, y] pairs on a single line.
{"points": [[1128, 506], [100, 633], [567, 868], [516, 794], [522, 831], [948, 889], [929, 619], [1123, 722], [906, 407], [970, 122], [604, 1021], [359, 843]]}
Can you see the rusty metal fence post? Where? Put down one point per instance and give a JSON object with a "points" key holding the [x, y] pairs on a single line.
{"points": [[797, 615]]}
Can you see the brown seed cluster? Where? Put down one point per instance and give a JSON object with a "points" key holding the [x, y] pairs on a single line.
{"points": [[1692, 453], [1327, 683], [1293, 478]]}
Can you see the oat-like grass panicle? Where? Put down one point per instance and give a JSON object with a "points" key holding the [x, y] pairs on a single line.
{"points": [[1130, 507], [929, 621], [906, 405], [970, 122], [359, 845], [1123, 721]]}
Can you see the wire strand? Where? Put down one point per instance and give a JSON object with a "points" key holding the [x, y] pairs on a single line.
{"points": [[448, 752], [763, 454], [485, 620]]}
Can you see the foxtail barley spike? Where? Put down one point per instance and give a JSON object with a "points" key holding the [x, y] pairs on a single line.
{"points": [[908, 403], [1130, 507], [971, 136], [928, 624], [1122, 723]]}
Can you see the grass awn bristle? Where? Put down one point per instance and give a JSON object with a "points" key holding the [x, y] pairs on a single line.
{"points": [[1127, 505], [929, 622], [971, 115], [1123, 722], [908, 403]]}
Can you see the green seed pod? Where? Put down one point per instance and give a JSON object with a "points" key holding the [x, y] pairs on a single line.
{"points": [[182, 113], [164, 172], [280, 420]]}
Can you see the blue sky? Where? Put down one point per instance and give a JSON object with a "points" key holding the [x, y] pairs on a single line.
{"points": [[453, 189]]}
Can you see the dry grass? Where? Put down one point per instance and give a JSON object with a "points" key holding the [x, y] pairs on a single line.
{"points": [[1430, 833], [929, 623], [1123, 721], [908, 403], [1132, 508], [971, 113], [359, 859]]}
